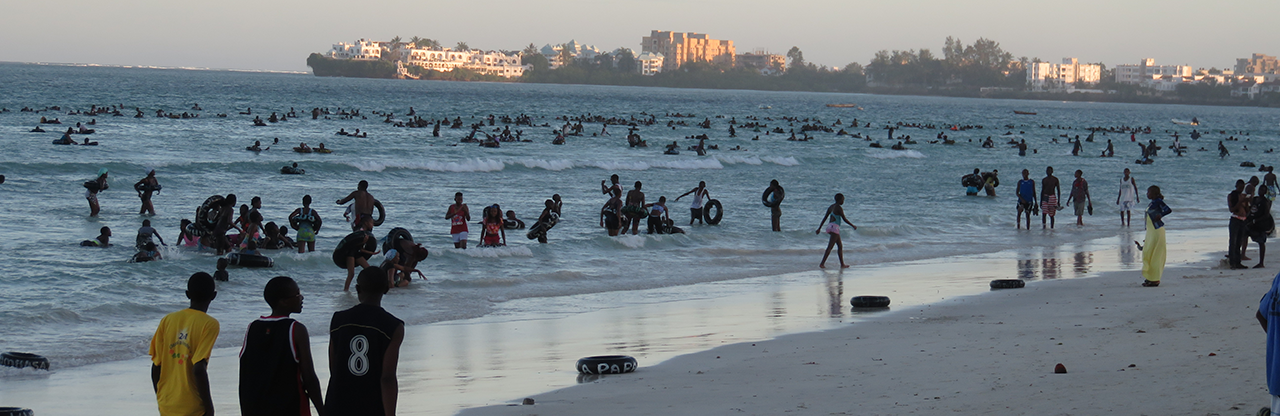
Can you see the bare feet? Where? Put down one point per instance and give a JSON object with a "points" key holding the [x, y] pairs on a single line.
{"points": [[844, 266], [822, 265]]}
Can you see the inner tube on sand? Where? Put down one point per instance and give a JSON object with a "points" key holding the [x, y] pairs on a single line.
{"points": [[706, 212], [15, 411], [23, 360], [607, 364], [394, 236], [347, 247], [1007, 284], [870, 301], [249, 260], [765, 198]]}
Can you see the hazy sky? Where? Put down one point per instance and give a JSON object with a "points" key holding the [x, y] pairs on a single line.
{"points": [[279, 34]]}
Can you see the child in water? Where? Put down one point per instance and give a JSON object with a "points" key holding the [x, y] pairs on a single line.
{"points": [[103, 240], [221, 274]]}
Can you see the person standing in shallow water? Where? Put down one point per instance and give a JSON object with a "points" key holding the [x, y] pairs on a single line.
{"points": [[1049, 194], [458, 215], [91, 191], [699, 194], [145, 187], [832, 219], [775, 212], [1026, 198], [1079, 198], [1153, 252], [1127, 199]]}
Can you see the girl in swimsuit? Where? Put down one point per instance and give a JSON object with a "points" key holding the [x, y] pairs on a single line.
{"points": [[609, 218], [836, 214]]}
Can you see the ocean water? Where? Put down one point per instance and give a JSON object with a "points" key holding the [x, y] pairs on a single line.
{"points": [[79, 306]]}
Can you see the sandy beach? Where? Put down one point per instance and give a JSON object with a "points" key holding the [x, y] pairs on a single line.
{"points": [[1190, 346]]}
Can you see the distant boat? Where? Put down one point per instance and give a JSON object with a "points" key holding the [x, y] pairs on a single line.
{"points": [[765, 107], [1194, 122], [1024, 113], [842, 105]]}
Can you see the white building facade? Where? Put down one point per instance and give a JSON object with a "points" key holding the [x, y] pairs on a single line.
{"points": [[649, 63], [361, 49], [1044, 75], [442, 60], [1147, 71]]}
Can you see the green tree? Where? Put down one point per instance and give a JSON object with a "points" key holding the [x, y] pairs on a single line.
{"points": [[462, 46], [530, 50], [626, 61], [566, 55], [796, 57]]}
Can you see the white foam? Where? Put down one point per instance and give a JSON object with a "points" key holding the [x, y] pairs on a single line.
{"points": [[784, 161], [733, 160], [894, 154], [631, 241], [552, 165], [494, 252], [466, 165]]}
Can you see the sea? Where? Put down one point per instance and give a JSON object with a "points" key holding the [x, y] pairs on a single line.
{"points": [[80, 306]]}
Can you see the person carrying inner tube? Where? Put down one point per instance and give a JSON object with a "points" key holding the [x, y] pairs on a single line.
{"points": [[91, 191], [307, 221], [699, 193], [357, 258], [511, 222], [363, 207], [972, 182], [547, 220], [775, 211], [145, 187]]}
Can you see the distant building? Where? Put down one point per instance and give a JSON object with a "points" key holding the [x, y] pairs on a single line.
{"points": [[362, 50], [1147, 70], [576, 50], [677, 48], [650, 63], [762, 61], [447, 60], [1258, 64], [1044, 75]]}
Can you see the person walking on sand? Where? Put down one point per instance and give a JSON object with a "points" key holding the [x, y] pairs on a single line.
{"points": [[145, 187], [363, 207], [1026, 198], [774, 202], [1079, 198], [364, 350], [180, 352], [277, 374], [1049, 194], [458, 215], [695, 209], [832, 219], [1153, 252], [92, 188], [1127, 198]]}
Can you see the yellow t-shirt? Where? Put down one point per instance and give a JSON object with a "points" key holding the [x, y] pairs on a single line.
{"points": [[183, 338]]}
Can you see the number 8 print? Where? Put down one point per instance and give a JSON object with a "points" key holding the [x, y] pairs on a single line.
{"points": [[359, 361]]}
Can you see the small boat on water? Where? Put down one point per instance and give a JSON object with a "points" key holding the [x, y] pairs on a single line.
{"points": [[1024, 113], [1194, 122], [842, 105]]}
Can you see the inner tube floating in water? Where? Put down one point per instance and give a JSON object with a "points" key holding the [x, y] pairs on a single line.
{"points": [[1008, 284], [207, 216], [770, 200], [348, 247], [607, 364], [15, 411], [249, 260], [870, 301], [23, 360], [706, 212], [1247, 164], [290, 170]]}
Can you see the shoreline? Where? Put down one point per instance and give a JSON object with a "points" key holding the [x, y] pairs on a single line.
{"points": [[1191, 344], [451, 366]]}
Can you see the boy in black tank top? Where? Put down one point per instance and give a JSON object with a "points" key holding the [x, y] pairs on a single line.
{"points": [[364, 348], [277, 375]]}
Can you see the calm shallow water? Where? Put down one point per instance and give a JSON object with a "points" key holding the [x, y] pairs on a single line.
{"points": [[908, 204]]}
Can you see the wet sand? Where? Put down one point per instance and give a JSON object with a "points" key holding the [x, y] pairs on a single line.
{"points": [[1190, 346], [510, 354]]}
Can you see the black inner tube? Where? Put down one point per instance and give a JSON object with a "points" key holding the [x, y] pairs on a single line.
{"points": [[347, 247], [382, 213], [607, 364], [764, 198], [22, 359], [706, 212], [870, 301]]}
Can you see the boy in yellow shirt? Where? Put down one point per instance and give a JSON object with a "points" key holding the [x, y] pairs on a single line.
{"points": [[180, 353]]}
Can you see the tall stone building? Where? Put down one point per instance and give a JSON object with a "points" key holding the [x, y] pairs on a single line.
{"points": [[1258, 64], [680, 47]]}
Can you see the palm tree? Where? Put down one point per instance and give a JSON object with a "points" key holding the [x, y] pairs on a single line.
{"points": [[424, 43], [395, 41], [415, 41], [462, 46], [530, 50]]}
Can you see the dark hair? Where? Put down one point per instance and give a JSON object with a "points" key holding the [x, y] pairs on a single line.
{"points": [[200, 287], [146, 223], [251, 245], [104, 230], [363, 185], [1155, 190], [277, 288], [306, 200], [372, 278]]}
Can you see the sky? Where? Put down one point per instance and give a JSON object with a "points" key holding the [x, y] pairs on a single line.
{"points": [[277, 35]]}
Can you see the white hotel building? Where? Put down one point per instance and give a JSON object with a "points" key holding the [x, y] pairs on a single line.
{"points": [[1044, 75], [443, 60]]}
